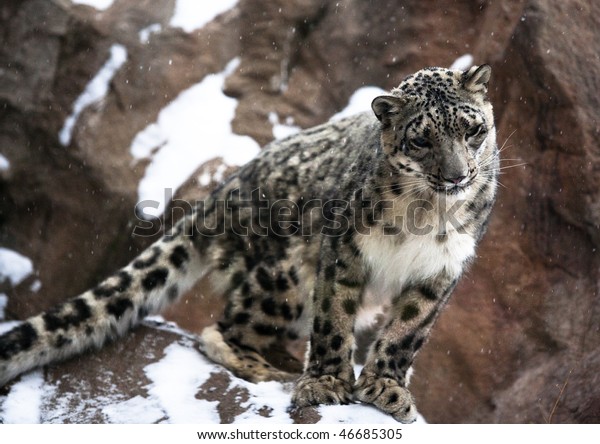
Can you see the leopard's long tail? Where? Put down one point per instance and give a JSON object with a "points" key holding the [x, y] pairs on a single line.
{"points": [[149, 283]]}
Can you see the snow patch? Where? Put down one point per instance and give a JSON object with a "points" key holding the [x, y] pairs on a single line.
{"points": [[193, 128], [263, 394], [23, 402], [36, 285], [101, 5], [357, 414], [14, 266], [218, 176], [206, 178], [353, 414], [462, 63], [4, 163], [8, 326], [145, 33], [137, 410], [193, 14], [175, 380], [94, 91], [359, 102], [282, 130]]}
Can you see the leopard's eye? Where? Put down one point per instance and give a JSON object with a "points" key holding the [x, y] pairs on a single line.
{"points": [[475, 130], [420, 142]]}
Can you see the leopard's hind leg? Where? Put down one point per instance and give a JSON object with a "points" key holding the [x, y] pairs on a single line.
{"points": [[256, 323], [241, 359]]}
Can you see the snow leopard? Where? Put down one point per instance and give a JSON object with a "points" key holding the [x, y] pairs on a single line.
{"points": [[384, 208]]}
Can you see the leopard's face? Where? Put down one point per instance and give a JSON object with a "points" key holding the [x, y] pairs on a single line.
{"points": [[438, 128]]}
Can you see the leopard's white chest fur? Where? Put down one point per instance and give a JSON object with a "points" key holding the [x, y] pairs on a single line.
{"points": [[396, 265]]}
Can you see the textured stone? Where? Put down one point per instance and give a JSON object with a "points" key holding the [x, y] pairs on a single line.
{"points": [[523, 322]]}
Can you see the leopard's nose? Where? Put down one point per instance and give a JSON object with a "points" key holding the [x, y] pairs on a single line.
{"points": [[455, 180]]}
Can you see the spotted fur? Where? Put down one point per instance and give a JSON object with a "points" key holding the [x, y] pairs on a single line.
{"points": [[319, 228]]}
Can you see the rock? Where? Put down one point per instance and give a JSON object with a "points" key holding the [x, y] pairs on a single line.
{"points": [[558, 205], [54, 49], [54, 209], [97, 388], [519, 340]]}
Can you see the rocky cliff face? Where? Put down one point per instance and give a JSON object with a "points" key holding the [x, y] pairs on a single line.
{"points": [[520, 339]]}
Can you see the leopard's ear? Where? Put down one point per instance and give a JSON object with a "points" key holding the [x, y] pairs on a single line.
{"points": [[476, 78], [385, 107]]}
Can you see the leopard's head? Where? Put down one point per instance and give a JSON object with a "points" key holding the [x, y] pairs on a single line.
{"points": [[438, 127]]}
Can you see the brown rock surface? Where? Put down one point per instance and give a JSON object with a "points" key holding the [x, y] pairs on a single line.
{"points": [[520, 339]]}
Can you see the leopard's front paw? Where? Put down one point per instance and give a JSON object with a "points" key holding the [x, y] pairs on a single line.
{"points": [[387, 395], [325, 389]]}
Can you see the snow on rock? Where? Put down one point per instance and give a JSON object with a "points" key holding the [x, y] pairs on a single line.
{"points": [[206, 178], [36, 285], [193, 128], [7, 326], [145, 33], [181, 387], [194, 14], [137, 410], [22, 404], [14, 266], [175, 380], [462, 63], [353, 414], [357, 414], [101, 5], [271, 394], [94, 91], [282, 130], [4, 163], [359, 102]]}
